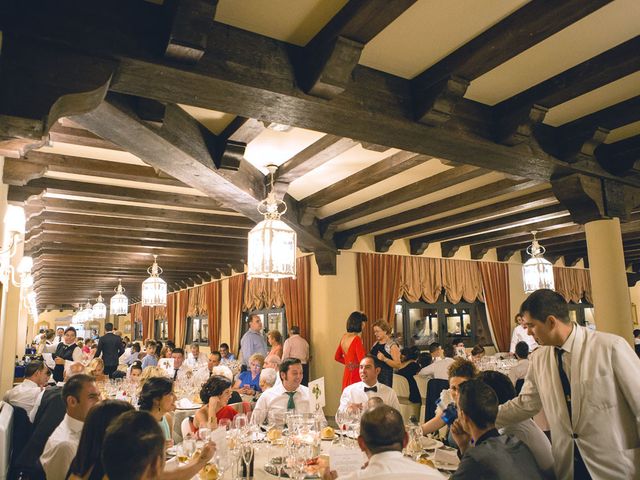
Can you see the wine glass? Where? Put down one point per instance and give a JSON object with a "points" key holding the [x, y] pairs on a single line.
{"points": [[240, 421], [342, 419], [204, 433], [224, 423]]}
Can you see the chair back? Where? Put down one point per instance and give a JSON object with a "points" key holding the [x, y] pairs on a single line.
{"points": [[185, 427], [519, 384], [434, 388], [401, 387], [6, 432]]}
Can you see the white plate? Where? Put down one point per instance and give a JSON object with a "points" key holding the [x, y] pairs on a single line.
{"points": [[430, 443], [449, 467], [172, 451]]}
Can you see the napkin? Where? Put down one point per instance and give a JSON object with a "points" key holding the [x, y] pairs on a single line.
{"points": [[447, 456], [185, 403]]}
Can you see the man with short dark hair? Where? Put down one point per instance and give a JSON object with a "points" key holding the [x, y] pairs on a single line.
{"points": [[59, 335], [355, 396], [79, 393], [25, 394], [588, 384], [225, 354], [289, 394], [439, 369], [519, 370], [297, 347], [636, 336], [493, 456], [180, 370], [382, 438], [253, 341], [110, 347], [150, 359], [196, 358]]}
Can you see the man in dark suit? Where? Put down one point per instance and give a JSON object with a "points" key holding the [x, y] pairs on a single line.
{"points": [[110, 346], [492, 456]]}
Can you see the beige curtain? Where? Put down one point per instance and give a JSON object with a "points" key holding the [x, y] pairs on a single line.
{"points": [[181, 317], [296, 294], [212, 307], [420, 278], [573, 284], [262, 293], [461, 279], [171, 316], [196, 300], [236, 290], [495, 280]]}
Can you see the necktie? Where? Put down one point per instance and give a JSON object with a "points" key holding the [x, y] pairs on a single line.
{"points": [[371, 389], [291, 405], [566, 386], [175, 374]]}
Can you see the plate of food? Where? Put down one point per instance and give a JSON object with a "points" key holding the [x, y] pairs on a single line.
{"points": [[312, 468], [429, 443], [327, 433]]}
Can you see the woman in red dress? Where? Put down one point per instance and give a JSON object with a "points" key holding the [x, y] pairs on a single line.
{"points": [[215, 394], [350, 350]]}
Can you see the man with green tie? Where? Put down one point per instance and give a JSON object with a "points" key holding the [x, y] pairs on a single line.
{"points": [[284, 396]]}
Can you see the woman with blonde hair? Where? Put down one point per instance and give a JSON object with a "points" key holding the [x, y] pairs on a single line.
{"points": [[386, 350], [248, 383], [96, 369], [151, 372]]}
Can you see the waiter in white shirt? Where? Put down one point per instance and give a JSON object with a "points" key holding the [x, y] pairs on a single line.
{"points": [[284, 396], [588, 384], [356, 395], [521, 334]]}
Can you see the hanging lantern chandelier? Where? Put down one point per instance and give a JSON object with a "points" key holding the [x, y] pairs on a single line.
{"points": [[99, 308], [154, 289], [119, 304], [272, 243], [537, 272], [85, 314]]}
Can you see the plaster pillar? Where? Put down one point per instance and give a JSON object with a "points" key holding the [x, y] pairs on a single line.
{"points": [[608, 278]]}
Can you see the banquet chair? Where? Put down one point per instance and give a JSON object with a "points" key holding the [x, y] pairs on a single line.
{"points": [[422, 387], [401, 387], [186, 427], [6, 430], [434, 389]]}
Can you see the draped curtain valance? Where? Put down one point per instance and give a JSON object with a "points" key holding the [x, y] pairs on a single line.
{"points": [[197, 301], [573, 284]]}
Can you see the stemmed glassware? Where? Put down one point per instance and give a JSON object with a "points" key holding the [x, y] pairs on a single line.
{"points": [[247, 453]]}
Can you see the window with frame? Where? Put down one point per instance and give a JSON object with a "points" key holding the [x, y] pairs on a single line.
{"points": [[137, 330], [198, 330], [161, 329], [272, 319], [582, 313], [422, 323]]}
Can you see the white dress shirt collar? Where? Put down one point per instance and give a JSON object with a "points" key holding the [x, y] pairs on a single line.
{"points": [[74, 425], [567, 346]]}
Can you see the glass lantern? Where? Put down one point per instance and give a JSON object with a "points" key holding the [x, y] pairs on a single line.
{"points": [[537, 272], [154, 289], [99, 308], [119, 304]]}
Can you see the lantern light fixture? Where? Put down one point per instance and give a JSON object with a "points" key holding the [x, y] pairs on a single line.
{"points": [[119, 304], [154, 288], [272, 243], [99, 308], [537, 272]]}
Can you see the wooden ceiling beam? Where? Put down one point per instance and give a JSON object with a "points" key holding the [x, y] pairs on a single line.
{"points": [[514, 205], [621, 156], [439, 88], [346, 238], [79, 136], [141, 251], [439, 181], [188, 22], [420, 244]]}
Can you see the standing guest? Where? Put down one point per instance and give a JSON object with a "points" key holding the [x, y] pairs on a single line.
{"points": [[274, 339], [248, 382], [297, 347], [350, 350], [526, 431], [150, 359], [440, 369], [39, 336], [356, 395], [492, 456], [284, 396], [157, 397], [386, 350], [382, 438], [47, 344], [227, 356], [59, 335], [87, 464], [477, 352], [588, 384], [409, 370], [96, 370], [25, 394], [196, 357], [519, 370], [109, 348], [215, 394], [521, 334], [252, 341], [79, 393], [66, 351]]}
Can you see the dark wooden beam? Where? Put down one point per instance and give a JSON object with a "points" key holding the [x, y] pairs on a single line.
{"points": [[325, 65], [191, 254], [619, 157], [439, 181], [78, 136], [346, 238], [231, 144], [188, 24], [441, 86], [529, 201]]}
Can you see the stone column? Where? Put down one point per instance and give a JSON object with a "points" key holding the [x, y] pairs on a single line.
{"points": [[608, 278]]}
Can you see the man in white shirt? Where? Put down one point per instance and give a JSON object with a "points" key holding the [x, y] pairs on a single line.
{"points": [[519, 370], [59, 335], [284, 396], [79, 393], [439, 369], [25, 394], [297, 347], [357, 395], [181, 370], [382, 438], [521, 334], [196, 357], [588, 384]]}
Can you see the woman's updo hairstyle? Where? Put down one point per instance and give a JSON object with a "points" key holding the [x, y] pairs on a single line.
{"points": [[154, 389], [214, 387]]}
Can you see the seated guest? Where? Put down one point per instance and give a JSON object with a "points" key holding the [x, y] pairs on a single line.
{"points": [[519, 370], [215, 395], [79, 393], [228, 374], [439, 369], [636, 336], [272, 361], [355, 396], [248, 382], [526, 431], [288, 395], [267, 378], [424, 359], [96, 370], [382, 438], [135, 372], [25, 394], [157, 397], [477, 353], [459, 348], [181, 370], [492, 456], [166, 352], [436, 352], [133, 356], [151, 372], [213, 360], [409, 370], [87, 464], [196, 357], [460, 371], [227, 356], [150, 359]]}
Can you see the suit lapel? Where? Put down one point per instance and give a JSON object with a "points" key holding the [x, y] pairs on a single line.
{"points": [[576, 355], [556, 388]]}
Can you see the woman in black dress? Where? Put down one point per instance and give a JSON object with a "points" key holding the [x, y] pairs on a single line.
{"points": [[386, 351], [410, 368]]}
